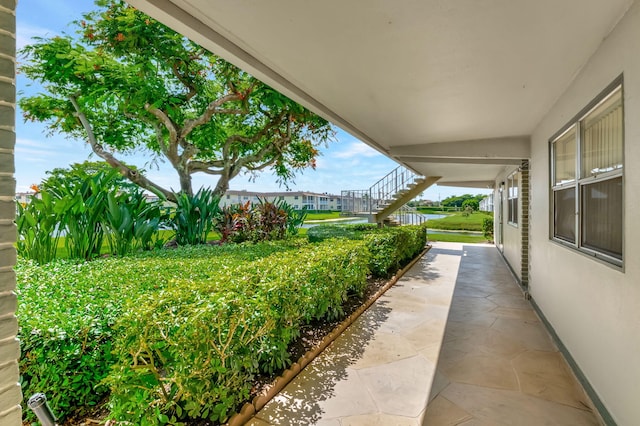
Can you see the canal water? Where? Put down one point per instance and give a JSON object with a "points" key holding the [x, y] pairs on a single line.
{"points": [[354, 220]]}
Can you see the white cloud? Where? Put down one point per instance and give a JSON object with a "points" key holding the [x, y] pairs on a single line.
{"points": [[31, 151], [26, 32], [356, 149]]}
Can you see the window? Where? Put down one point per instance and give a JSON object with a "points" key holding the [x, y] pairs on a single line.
{"points": [[512, 197], [587, 179]]}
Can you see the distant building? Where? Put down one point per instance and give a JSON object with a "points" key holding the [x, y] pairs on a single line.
{"points": [[25, 197], [486, 204], [296, 199]]}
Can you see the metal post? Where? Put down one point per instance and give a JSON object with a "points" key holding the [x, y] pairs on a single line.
{"points": [[40, 407]]}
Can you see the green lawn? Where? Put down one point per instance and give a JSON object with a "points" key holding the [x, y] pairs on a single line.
{"points": [[455, 238], [61, 250], [323, 216], [433, 210], [457, 221]]}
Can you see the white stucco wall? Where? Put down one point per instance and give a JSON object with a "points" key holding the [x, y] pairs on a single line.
{"points": [[593, 307]]}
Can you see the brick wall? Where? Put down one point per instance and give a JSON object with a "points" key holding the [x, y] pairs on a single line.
{"points": [[10, 394], [524, 225]]}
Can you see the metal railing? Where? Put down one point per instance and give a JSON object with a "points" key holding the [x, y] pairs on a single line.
{"points": [[386, 190], [381, 195], [407, 215]]}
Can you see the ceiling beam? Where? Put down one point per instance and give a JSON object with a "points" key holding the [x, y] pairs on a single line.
{"points": [[469, 183], [517, 147], [460, 160]]}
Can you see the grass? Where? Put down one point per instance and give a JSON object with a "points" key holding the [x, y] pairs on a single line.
{"points": [[458, 222], [62, 253], [433, 210], [323, 216], [456, 238]]}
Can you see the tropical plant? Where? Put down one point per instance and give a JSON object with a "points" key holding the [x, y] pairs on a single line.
{"points": [[132, 222], [194, 216], [295, 218], [127, 82], [81, 206], [272, 220], [37, 226]]}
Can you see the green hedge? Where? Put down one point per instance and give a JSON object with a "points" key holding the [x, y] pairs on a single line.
{"points": [[390, 247], [175, 334], [67, 312], [193, 349]]}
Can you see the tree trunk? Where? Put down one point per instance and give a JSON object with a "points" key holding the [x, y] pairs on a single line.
{"points": [[185, 182], [222, 186]]}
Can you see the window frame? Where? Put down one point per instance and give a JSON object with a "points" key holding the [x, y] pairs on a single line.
{"points": [[580, 182], [513, 198]]}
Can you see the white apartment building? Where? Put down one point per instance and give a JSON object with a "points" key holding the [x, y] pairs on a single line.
{"points": [[297, 199]]}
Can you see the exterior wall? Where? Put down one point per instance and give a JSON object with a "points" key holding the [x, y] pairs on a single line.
{"points": [[511, 234], [10, 394], [593, 307]]}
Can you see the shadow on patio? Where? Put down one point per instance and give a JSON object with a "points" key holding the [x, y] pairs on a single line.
{"points": [[456, 331]]}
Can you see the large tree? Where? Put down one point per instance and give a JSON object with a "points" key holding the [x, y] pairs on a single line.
{"points": [[126, 82]]}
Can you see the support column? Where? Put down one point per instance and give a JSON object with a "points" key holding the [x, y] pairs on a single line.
{"points": [[10, 393], [524, 225]]}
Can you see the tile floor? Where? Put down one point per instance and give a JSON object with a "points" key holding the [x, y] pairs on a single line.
{"points": [[455, 331]]}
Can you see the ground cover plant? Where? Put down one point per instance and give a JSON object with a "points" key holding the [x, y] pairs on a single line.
{"points": [[178, 334]]}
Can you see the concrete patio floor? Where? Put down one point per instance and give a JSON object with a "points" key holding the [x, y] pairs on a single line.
{"points": [[452, 343]]}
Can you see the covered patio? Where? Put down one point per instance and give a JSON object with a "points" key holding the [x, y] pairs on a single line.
{"points": [[454, 342]]}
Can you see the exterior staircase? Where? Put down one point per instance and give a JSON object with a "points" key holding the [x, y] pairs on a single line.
{"points": [[385, 202]]}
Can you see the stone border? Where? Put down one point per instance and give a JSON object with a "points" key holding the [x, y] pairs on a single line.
{"points": [[251, 408]]}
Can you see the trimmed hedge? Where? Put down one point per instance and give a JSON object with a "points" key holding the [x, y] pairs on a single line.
{"points": [[178, 334], [193, 349], [67, 312], [390, 247]]}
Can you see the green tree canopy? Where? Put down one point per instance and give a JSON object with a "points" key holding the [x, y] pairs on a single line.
{"points": [[459, 201], [128, 83], [474, 203]]}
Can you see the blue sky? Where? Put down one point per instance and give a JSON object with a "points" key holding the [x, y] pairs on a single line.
{"points": [[346, 163]]}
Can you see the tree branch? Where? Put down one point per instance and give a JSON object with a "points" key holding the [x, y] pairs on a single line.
{"points": [[133, 175], [192, 90], [172, 151], [206, 167], [211, 109]]}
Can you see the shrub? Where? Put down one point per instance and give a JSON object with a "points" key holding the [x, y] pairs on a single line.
{"points": [[487, 227], [67, 312], [179, 334], [320, 233], [192, 349], [390, 247], [263, 221]]}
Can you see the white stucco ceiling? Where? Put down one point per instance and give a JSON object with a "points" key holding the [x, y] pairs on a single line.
{"points": [[411, 72]]}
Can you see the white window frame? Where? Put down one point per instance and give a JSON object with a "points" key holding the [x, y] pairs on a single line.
{"points": [[580, 181], [513, 198]]}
